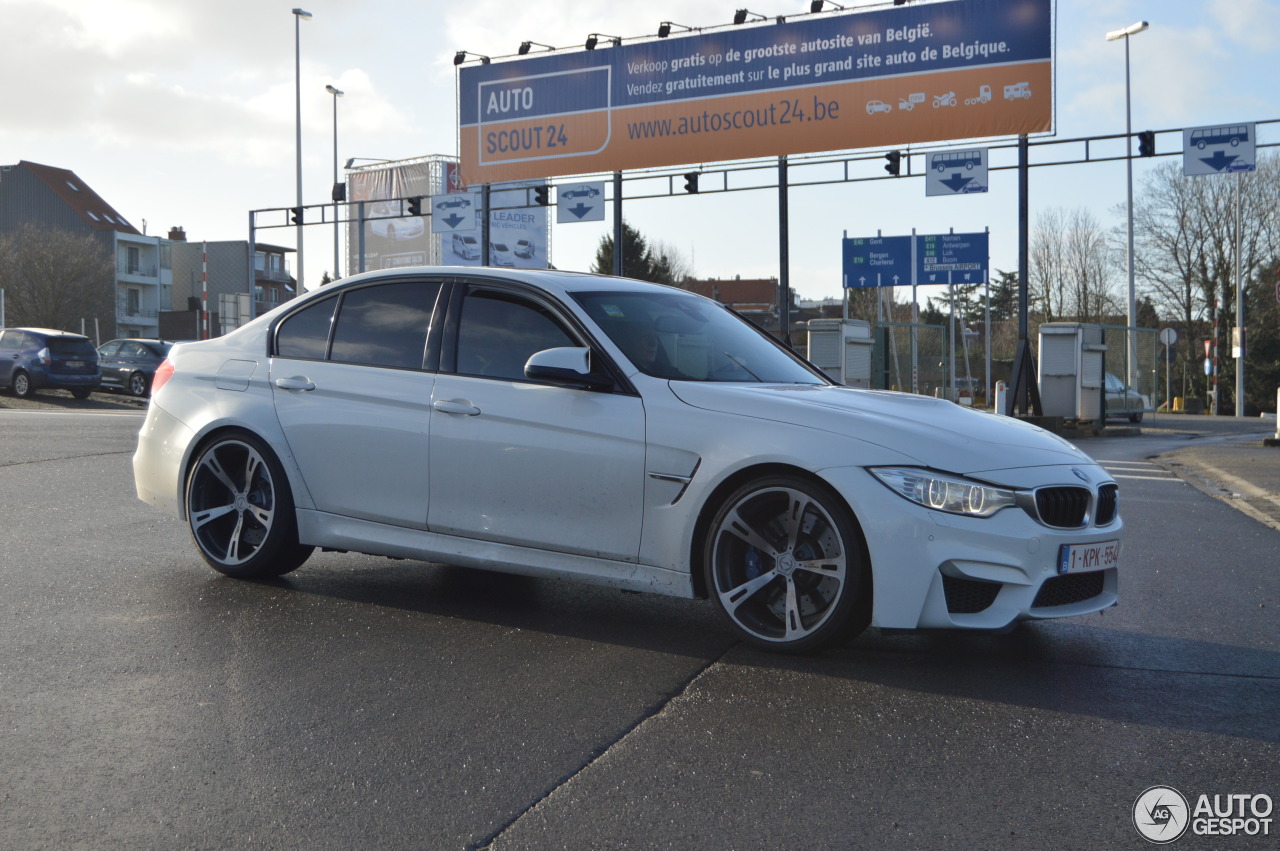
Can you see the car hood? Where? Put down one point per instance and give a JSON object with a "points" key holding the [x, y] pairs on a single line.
{"points": [[933, 432]]}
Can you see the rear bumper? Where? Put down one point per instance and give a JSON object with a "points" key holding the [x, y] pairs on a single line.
{"points": [[158, 461], [56, 380]]}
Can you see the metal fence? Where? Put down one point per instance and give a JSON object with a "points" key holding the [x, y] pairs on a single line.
{"points": [[907, 357]]}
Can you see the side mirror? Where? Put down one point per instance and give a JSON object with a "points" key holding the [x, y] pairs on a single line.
{"points": [[569, 366]]}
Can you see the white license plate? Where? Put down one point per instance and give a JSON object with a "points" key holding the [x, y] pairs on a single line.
{"points": [[75, 364], [1081, 558]]}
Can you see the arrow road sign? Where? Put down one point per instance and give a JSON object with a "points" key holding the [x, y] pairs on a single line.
{"points": [[1219, 150], [877, 261], [956, 172], [580, 202], [454, 212]]}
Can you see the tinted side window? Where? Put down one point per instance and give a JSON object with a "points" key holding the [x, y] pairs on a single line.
{"points": [[110, 350], [305, 334], [498, 333], [385, 325]]}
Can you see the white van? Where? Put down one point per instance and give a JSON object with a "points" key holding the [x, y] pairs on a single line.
{"points": [[466, 246]]}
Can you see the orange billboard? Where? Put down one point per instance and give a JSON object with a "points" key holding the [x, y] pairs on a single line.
{"points": [[927, 73]]}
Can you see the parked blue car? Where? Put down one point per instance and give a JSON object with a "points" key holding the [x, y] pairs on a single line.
{"points": [[36, 358]]}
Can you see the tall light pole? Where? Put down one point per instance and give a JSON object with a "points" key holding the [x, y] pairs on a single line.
{"points": [[337, 93], [299, 15], [1114, 35]]}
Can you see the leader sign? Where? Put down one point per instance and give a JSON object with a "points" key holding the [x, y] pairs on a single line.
{"points": [[913, 73]]}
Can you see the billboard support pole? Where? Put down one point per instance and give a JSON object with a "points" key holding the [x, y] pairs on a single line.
{"points": [[1025, 395], [484, 225], [360, 238], [784, 258], [619, 267], [253, 262]]}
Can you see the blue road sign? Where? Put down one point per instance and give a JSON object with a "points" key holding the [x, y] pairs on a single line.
{"points": [[952, 258], [877, 261], [1219, 150]]}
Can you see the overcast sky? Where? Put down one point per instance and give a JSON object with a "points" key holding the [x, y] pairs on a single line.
{"points": [[182, 113]]}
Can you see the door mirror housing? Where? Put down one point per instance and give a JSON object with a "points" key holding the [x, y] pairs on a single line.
{"points": [[568, 366]]}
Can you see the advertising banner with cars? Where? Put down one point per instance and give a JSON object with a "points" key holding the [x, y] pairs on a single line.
{"points": [[519, 231], [392, 237], [909, 74]]}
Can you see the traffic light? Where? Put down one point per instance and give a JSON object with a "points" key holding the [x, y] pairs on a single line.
{"points": [[540, 196], [415, 205], [1147, 143], [691, 183], [295, 215], [894, 164], [339, 192]]}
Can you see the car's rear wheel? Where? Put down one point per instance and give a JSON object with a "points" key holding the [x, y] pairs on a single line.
{"points": [[22, 387], [81, 393], [138, 384], [240, 509], [786, 565]]}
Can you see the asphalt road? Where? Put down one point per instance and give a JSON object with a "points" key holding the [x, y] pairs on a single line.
{"points": [[148, 702]]}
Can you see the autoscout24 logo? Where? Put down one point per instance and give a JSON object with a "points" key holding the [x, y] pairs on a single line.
{"points": [[1161, 814]]}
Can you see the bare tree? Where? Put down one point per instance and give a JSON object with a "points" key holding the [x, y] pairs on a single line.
{"points": [[1072, 268], [1048, 260], [669, 265], [55, 279]]}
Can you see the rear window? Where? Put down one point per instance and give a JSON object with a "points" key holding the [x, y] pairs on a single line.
{"points": [[71, 347]]}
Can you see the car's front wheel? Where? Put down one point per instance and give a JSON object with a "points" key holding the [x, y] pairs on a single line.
{"points": [[240, 509], [81, 393], [786, 565], [1135, 418]]}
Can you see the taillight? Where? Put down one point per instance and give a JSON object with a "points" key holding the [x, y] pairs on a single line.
{"points": [[44, 356], [163, 373]]}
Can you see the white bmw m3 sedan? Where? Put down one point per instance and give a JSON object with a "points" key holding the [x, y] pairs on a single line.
{"points": [[623, 433]]}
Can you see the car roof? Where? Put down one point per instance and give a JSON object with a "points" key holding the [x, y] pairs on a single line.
{"points": [[555, 281], [48, 332]]}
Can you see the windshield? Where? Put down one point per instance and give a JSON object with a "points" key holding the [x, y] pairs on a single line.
{"points": [[685, 337]]}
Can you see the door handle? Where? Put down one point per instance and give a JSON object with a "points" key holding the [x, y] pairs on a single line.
{"points": [[455, 406], [294, 384]]}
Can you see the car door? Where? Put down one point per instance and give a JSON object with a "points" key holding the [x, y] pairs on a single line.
{"points": [[108, 362], [521, 462], [352, 391], [131, 358], [10, 353]]}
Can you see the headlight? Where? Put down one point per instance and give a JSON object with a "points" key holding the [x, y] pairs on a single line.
{"points": [[944, 493]]}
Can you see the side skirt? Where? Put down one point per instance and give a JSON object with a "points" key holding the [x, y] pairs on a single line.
{"points": [[364, 536]]}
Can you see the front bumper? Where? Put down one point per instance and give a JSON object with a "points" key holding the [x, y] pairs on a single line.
{"points": [[932, 570]]}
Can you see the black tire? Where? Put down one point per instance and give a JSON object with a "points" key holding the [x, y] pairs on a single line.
{"points": [[786, 565], [240, 510], [139, 385], [81, 393], [1135, 418], [21, 385]]}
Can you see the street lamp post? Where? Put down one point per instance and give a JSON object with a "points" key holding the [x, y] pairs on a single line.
{"points": [[337, 93], [1114, 35], [299, 15]]}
